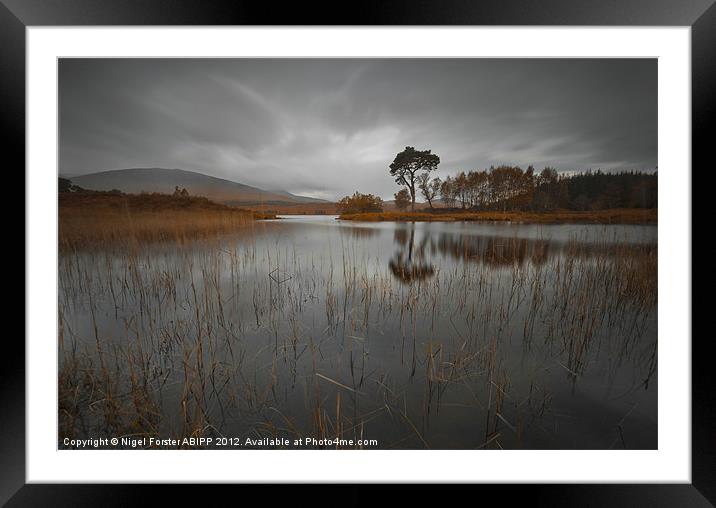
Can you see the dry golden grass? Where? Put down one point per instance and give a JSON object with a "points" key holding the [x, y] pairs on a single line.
{"points": [[614, 216], [87, 219]]}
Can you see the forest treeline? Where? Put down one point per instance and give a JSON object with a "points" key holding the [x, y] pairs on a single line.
{"points": [[512, 188]]}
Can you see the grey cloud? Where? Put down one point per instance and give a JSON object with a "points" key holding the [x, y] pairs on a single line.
{"points": [[326, 127]]}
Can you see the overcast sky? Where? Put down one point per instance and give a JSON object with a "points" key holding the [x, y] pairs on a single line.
{"points": [[325, 128]]}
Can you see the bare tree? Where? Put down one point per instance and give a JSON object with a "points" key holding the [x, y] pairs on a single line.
{"points": [[429, 188]]}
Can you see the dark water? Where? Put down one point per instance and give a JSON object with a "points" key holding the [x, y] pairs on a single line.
{"points": [[439, 335]]}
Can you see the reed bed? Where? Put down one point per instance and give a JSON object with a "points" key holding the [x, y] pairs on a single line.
{"points": [[100, 219]]}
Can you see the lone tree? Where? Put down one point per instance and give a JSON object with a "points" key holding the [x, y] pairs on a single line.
{"points": [[409, 164], [402, 199]]}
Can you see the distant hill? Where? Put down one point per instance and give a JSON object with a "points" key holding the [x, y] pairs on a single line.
{"points": [[299, 199], [137, 180]]}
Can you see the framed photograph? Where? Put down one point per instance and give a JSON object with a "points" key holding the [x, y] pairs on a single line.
{"points": [[447, 246]]}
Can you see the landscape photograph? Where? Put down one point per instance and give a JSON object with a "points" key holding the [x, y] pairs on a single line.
{"points": [[357, 254]]}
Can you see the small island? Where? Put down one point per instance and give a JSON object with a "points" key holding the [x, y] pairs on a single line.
{"points": [[507, 194]]}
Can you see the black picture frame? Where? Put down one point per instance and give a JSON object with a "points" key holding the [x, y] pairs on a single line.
{"points": [[700, 15]]}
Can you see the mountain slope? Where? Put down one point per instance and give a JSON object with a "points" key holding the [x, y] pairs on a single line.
{"points": [[163, 180], [299, 199]]}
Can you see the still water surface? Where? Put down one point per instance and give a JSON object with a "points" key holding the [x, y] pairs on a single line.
{"points": [[418, 335]]}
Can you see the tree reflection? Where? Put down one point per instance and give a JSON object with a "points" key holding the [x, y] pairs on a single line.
{"points": [[495, 250], [408, 264], [360, 233]]}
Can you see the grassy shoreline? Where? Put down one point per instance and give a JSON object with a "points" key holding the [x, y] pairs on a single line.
{"points": [[98, 218], [613, 216]]}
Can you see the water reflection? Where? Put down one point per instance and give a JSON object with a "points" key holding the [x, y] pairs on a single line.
{"points": [[416, 258], [361, 233], [402, 265], [313, 327], [494, 250]]}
